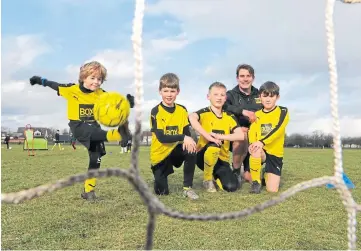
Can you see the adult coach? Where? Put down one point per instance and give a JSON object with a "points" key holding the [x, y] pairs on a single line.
{"points": [[243, 101]]}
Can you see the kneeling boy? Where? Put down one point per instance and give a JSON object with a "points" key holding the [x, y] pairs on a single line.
{"points": [[216, 128], [171, 139], [266, 138]]}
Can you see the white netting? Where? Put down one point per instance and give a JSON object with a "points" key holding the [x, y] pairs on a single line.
{"points": [[156, 207]]}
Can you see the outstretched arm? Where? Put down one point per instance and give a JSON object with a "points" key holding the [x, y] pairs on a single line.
{"points": [[36, 80]]}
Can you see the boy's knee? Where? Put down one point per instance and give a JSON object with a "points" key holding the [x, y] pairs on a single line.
{"points": [[256, 154], [191, 155], [160, 187], [272, 189], [213, 149]]}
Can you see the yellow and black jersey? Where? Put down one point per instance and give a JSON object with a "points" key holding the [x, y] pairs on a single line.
{"points": [[222, 125], [80, 103], [270, 129], [168, 127]]}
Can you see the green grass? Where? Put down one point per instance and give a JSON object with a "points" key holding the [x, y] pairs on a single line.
{"points": [[314, 219]]}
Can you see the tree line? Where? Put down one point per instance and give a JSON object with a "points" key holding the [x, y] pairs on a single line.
{"points": [[318, 139]]}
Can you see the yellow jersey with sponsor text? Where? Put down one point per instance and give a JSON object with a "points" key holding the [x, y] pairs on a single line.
{"points": [[80, 104]]}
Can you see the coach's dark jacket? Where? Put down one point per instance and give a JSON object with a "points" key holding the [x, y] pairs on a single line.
{"points": [[238, 101]]}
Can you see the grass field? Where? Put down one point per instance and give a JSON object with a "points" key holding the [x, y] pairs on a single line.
{"points": [[314, 219]]}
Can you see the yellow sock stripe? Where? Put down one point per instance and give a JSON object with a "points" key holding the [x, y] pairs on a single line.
{"points": [[210, 159], [219, 184], [89, 185], [255, 165]]}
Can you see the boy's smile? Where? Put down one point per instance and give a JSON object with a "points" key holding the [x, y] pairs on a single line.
{"points": [[217, 96], [93, 81], [268, 102], [169, 95]]}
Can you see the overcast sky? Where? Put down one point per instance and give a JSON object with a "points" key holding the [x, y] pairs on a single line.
{"points": [[202, 41]]}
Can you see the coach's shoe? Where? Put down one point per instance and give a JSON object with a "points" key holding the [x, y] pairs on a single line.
{"points": [[255, 187], [189, 192], [209, 186], [88, 196]]}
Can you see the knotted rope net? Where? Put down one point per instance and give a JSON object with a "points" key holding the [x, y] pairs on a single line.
{"points": [[155, 207]]}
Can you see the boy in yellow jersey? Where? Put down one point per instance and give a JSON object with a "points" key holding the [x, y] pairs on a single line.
{"points": [[216, 128], [266, 138], [80, 101], [172, 143]]}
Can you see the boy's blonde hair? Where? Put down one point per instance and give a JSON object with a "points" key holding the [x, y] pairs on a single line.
{"points": [[217, 84], [169, 80], [91, 67]]}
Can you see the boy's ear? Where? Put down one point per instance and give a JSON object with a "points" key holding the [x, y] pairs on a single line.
{"points": [[278, 97]]}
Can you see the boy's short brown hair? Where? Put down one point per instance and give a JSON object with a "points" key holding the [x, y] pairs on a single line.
{"points": [[269, 89], [91, 67], [217, 84], [169, 80]]}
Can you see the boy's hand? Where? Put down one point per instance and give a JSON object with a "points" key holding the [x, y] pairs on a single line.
{"points": [[189, 144], [130, 100], [255, 146], [250, 115], [35, 80], [210, 138], [217, 136]]}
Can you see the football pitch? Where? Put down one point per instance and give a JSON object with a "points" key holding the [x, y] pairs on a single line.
{"points": [[313, 219]]}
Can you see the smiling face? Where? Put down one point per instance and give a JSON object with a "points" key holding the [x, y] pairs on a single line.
{"points": [[93, 81], [245, 79], [169, 95], [92, 75], [217, 96], [269, 93], [269, 101]]}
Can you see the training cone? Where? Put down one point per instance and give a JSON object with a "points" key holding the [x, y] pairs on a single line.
{"points": [[347, 181]]}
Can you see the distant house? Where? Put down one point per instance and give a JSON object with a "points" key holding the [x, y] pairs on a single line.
{"points": [[38, 131]]}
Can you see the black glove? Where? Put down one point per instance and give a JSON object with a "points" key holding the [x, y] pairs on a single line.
{"points": [[36, 80], [124, 132], [130, 100]]}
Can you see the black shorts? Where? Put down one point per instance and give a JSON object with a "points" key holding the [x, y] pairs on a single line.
{"points": [[83, 131], [57, 142], [174, 159], [273, 163]]}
